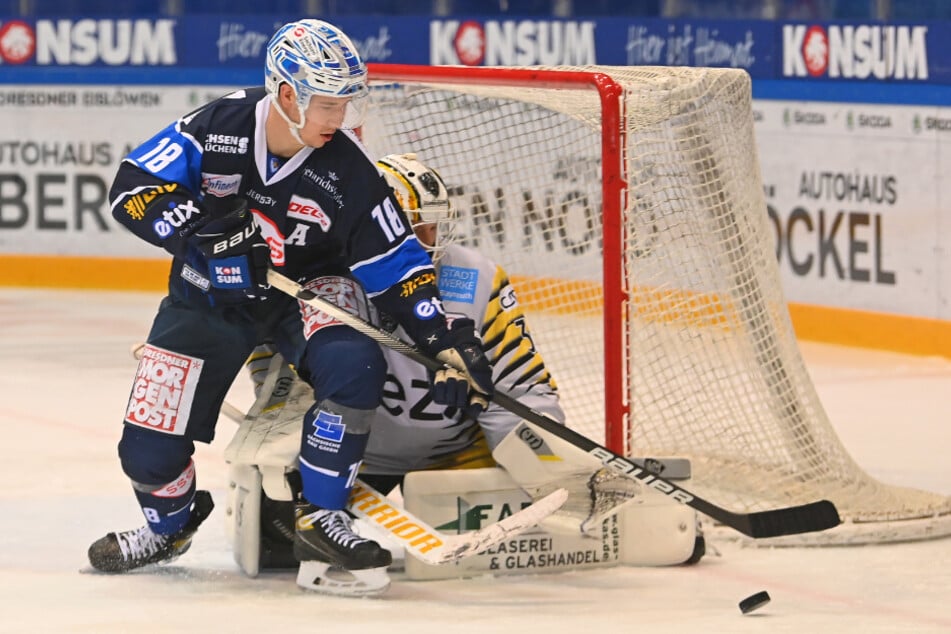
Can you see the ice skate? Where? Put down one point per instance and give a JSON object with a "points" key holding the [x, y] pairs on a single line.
{"points": [[334, 559], [128, 550]]}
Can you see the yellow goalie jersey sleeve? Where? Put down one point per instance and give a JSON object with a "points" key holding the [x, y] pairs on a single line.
{"points": [[411, 432]]}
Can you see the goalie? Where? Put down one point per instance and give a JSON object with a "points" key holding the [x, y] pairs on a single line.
{"points": [[409, 432]]}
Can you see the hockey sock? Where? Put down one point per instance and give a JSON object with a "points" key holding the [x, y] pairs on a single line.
{"points": [[332, 445], [166, 507]]}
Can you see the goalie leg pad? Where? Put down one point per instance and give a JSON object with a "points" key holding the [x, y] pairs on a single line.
{"points": [[656, 533], [243, 517], [260, 528]]}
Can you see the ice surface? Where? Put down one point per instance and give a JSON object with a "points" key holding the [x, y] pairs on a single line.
{"points": [[65, 370]]}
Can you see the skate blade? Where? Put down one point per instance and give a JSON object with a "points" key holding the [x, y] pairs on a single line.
{"points": [[319, 576]]}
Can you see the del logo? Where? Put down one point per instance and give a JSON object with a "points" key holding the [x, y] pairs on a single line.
{"points": [[86, 42], [309, 211], [523, 42], [855, 52]]}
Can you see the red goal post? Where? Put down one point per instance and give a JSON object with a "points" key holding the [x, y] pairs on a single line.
{"points": [[613, 191]]}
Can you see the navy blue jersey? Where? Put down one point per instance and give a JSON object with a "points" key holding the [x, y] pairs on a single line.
{"points": [[322, 211]]}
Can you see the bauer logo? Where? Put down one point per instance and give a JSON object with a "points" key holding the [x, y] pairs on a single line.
{"points": [[855, 52], [507, 298], [105, 42], [274, 238], [163, 390], [522, 42], [17, 42]]}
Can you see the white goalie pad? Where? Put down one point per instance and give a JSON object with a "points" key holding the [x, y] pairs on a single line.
{"points": [[653, 532], [540, 461], [243, 517], [269, 436], [265, 446]]}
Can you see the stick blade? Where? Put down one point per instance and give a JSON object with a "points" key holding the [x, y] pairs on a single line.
{"points": [[793, 520]]}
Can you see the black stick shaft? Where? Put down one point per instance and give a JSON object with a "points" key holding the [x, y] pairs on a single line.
{"points": [[805, 518]]}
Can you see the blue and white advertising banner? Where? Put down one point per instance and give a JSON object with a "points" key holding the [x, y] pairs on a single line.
{"points": [[853, 124], [222, 50]]}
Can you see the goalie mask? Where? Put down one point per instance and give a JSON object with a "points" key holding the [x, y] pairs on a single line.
{"points": [[422, 194], [316, 59]]}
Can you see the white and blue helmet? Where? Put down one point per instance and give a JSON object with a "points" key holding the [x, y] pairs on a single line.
{"points": [[316, 59]]}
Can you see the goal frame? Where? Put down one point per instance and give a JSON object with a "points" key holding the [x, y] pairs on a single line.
{"points": [[689, 350], [614, 200]]}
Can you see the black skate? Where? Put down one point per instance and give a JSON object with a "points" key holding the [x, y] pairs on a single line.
{"points": [[334, 559], [277, 534], [128, 550]]}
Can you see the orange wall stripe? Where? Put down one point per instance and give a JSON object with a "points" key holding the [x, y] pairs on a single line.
{"points": [[47, 271], [883, 331]]}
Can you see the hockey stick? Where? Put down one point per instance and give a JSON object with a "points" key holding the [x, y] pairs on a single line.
{"points": [[792, 520], [422, 540]]}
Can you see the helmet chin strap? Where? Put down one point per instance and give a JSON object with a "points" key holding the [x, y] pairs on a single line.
{"points": [[295, 128]]}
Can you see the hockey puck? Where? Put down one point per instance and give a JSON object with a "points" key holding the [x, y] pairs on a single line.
{"points": [[754, 602]]}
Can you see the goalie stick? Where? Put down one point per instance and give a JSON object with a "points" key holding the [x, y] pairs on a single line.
{"points": [[791, 520]]}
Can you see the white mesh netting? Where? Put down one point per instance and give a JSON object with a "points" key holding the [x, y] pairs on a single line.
{"points": [[711, 368]]}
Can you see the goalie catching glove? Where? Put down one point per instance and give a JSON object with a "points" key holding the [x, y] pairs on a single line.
{"points": [[231, 255], [467, 381]]}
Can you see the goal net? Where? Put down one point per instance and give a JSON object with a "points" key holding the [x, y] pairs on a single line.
{"points": [[626, 205]]}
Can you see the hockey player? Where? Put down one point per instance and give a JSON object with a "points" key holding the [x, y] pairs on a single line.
{"points": [[273, 176], [409, 431]]}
